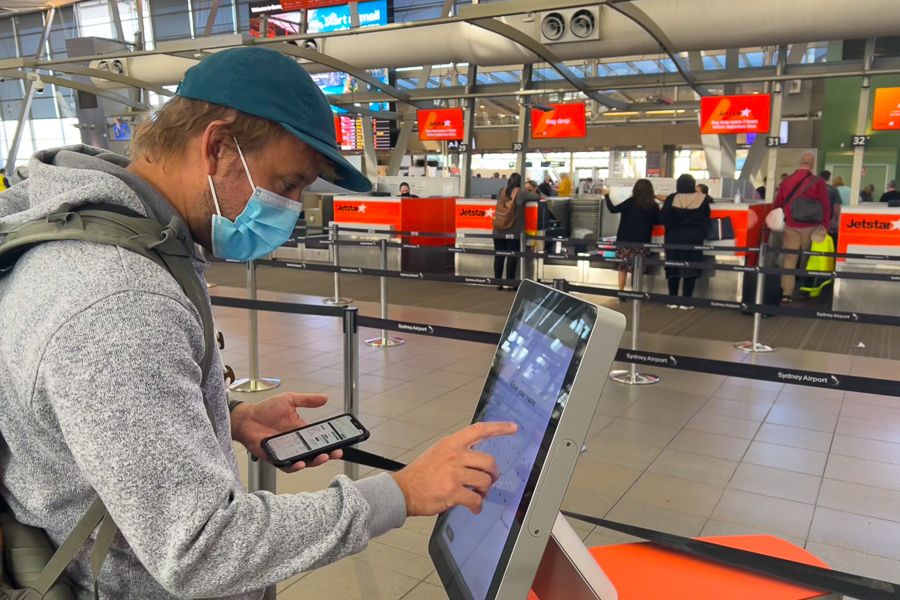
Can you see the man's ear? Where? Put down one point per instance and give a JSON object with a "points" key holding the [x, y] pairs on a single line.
{"points": [[214, 144]]}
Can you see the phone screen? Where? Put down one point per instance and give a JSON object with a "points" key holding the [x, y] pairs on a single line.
{"points": [[314, 437]]}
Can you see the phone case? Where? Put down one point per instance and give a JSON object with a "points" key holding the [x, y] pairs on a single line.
{"points": [[324, 450]]}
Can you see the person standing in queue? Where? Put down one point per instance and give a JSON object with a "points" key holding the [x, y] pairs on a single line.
{"points": [[804, 199], [891, 196], [638, 214], [702, 188], [867, 194], [404, 191], [565, 186], [840, 184], [102, 395], [509, 225], [685, 215]]}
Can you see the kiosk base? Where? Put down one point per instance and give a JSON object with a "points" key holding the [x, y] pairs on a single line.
{"points": [[568, 570]]}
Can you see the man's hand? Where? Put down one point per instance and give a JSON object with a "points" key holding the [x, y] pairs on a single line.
{"points": [[451, 473], [252, 423]]}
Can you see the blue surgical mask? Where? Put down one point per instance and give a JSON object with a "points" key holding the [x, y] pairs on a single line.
{"points": [[266, 223]]}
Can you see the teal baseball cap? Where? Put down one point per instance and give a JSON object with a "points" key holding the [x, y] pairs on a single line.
{"points": [[267, 84]]}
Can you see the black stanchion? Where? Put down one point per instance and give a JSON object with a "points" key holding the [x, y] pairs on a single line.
{"points": [[631, 376], [754, 345]]}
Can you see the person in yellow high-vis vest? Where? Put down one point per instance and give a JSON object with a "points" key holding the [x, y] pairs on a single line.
{"points": [[4, 182]]}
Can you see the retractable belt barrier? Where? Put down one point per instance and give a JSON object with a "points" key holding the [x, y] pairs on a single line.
{"points": [[787, 311], [790, 571], [847, 383]]}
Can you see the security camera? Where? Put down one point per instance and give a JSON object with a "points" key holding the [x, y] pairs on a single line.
{"points": [[36, 81]]}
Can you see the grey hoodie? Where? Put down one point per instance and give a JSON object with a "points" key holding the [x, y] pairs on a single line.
{"points": [[100, 393]]}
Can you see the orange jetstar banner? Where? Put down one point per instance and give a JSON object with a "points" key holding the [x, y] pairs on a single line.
{"points": [[886, 114], [735, 114], [868, 229], [368, 211], [440, 124], [564, 121]]}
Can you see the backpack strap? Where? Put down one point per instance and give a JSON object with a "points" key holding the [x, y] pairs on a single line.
{"points": [[809, 180], [69, 549], [133, 232]]}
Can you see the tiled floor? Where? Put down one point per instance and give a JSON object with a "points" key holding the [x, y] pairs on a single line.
{"points": [[697, 454]]}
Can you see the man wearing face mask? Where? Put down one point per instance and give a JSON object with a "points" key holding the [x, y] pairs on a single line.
{"points": [[101, 391]]}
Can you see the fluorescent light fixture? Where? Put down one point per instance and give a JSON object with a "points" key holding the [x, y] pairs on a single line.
{"points": [[665, 112], [625, 113], [408, 69]]}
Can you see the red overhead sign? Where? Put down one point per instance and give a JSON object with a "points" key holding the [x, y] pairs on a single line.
{"points": [[886, 114], [288, 5], [735, 114], [564, 121], [442, 124]]}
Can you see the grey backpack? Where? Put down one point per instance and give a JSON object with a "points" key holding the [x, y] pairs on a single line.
{"points": [[31, 569]]}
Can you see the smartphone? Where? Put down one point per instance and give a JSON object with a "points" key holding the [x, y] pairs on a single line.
{"points": [[308, 442]]}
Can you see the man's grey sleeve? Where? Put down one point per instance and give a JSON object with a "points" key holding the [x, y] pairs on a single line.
{"points": [[123, 380]]}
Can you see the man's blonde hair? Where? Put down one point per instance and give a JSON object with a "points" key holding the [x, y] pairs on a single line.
{"points": [[163, 135]]}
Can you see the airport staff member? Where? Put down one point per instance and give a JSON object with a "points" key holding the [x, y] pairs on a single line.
{"points": [[101, 388]]}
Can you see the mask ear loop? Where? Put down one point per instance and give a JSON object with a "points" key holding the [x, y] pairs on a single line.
{"points": [[215, 197], [244, 162]]}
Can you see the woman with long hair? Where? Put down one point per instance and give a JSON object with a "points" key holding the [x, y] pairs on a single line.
{"points": [[685, 215], [639, 213], [509, 220]]}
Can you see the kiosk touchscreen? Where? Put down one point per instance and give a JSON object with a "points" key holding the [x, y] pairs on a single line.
{"points": [[547, 375]]}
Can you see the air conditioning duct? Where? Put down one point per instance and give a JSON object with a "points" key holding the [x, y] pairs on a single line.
{"points": [[571, 25]]}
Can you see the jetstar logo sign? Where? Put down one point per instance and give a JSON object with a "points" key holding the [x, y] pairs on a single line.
{"points": [[477, 212], [357, 208], [874, 223]]}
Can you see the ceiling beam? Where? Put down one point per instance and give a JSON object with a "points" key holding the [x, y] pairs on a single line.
{"points": [[545, 55], [79, 86], [339, 65], [643, 20]]}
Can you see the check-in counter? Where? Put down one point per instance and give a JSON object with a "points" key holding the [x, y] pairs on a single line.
{"points": [[392, 214], [748, 221], [476, 215], [874, 230]]}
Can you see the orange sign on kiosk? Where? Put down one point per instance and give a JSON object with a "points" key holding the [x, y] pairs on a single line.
{"points": [[886, 112], [749, 113], [367, 211], [478, 215]]}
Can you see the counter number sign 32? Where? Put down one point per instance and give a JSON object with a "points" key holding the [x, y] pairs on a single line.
{"points": [[859, 141]]}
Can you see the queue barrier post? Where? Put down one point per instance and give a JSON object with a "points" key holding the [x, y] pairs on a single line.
{"points": [[336, 300], [253, 383], [631, 376], [385, 340], [754, 345], [351, 373], [523, 242]]}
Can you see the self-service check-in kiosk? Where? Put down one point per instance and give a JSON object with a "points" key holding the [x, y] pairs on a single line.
{"points": [[547, 375]]}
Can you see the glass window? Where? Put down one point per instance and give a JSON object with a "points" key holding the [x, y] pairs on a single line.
{"points": [[224, 21], [8, 48], [11, 94], [170, 19], [63, 28], [29, 29], [94, 19], [70, 131], [43, 104]]}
